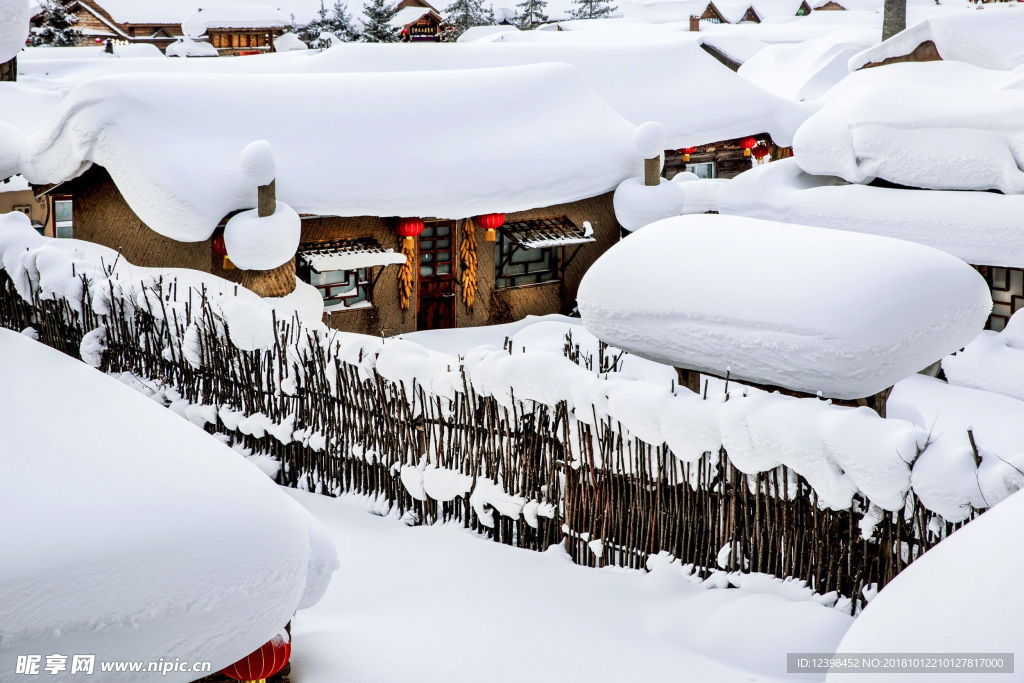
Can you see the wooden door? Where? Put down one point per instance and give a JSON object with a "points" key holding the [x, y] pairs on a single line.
{"points": [[436, 306]]}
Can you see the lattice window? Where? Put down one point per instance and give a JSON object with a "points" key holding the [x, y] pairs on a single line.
{"points": [[529, 252], [1007, 285], [436, 249]]}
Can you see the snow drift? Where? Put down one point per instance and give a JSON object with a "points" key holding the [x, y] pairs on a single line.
{"points": [[773, 303], [138, 535], [919, 136]]}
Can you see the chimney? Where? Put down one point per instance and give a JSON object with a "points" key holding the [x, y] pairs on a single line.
{"points": [[694, 23]]}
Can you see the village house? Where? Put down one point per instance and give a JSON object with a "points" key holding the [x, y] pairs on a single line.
{"points": [[50, 213], [488, 218], [724, 12]]}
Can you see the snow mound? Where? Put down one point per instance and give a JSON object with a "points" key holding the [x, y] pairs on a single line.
{"points": [[715, 293], [186, 47], [982, 228], [258, 165], [700, 195], [989, 38], [148, 131], [159, 540], [920, 136], [992, 362], [13, 28], [12, 144], [802, 71], [637, 205], [961, 596], [289, 42], [649, 139]]}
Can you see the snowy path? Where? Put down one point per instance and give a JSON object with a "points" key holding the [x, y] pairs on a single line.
{"points": [[437, 603]]}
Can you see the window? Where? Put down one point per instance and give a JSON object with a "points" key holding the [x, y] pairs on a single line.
{"points": [[436, 250], [703, 170], [342, 289], [62, 218], [517, 267]]}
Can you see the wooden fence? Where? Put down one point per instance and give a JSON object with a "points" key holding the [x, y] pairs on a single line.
{"points": [[615, 500]]}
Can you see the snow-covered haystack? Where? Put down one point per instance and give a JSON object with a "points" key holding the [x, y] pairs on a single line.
{"points": [[14, 18], [990, 39], [961, 596], [772, 303], [993, 362], [149, 130], [919, 136], [186, 47], [255, 241], [139, 536], [978, 227], [640, 201], [289, 42]]}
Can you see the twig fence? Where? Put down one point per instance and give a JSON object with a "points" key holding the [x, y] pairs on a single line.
{"points": [[613, 500]]}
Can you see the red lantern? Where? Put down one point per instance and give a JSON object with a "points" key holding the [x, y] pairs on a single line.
{"points": [[686, 152], [219, 248], [263, 663], [760, 151], [747, 144], [410, 227], [490, 222]]}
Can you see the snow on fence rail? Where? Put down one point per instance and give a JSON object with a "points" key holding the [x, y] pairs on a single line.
{"points": [[436, 443]]}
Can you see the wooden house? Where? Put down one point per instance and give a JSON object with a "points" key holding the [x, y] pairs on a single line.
{"points": [[724, 159], [507, 230], [725, 12], [418, 21]]}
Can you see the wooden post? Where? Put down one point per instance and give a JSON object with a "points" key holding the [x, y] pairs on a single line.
{"points": [[9, 69], [652, 171], [267, 202], [280, 280]]}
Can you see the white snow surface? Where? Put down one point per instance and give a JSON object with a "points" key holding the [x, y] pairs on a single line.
{"points": [[186, 47], [960, 596], [988, 37], [131, 50], [645, 77], [289, 42], [714, 293], [258, 165], [547, 139], [637, 204], [139, 536], [803, 71], [992, 362], [256, 243], [14, 18], [920, 136], [983, 228], [236, 16], [468, 593]]}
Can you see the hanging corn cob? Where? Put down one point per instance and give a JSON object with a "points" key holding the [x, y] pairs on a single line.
{"points": [[468, 258], [406, 275]]}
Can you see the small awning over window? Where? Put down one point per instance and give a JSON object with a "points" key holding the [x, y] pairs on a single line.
{"points": [[364, 252], [547, 232]]}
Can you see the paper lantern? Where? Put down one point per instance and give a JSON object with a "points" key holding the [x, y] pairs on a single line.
{"points": [[490, 222], [747, 144], [686, 152], [410, 227], [760, 151], [261, 664], [219, 248]]}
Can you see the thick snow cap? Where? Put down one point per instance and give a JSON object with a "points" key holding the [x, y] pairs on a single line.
{"points": [[649, 139], [917, 135], [256, 243], [989, 38], [12, 143], [983, 228], [139, 536], [13, 28], [238, 16], [258, 165], [171, 142], [804, 308], [637, 204]]}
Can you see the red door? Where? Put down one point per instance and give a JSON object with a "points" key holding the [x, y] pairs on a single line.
{"points": [[436, 306]]}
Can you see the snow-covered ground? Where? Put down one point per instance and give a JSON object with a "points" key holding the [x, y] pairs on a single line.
{"points": [[439, 603]]}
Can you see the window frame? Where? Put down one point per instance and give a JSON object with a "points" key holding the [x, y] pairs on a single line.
{"points": [[554, 258]]}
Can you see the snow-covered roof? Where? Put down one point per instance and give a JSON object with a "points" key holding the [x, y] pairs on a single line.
{"points": [[989, 37], [172, 143], [983, 228], [805, 71], [766, 302], [739, 49], [186, 47], [919, 136], [14, 17], [663, 11], [151, 525], [478, 32], [240, 16], [176, 11], [732, 12], [767, 9], [407, 15]]}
